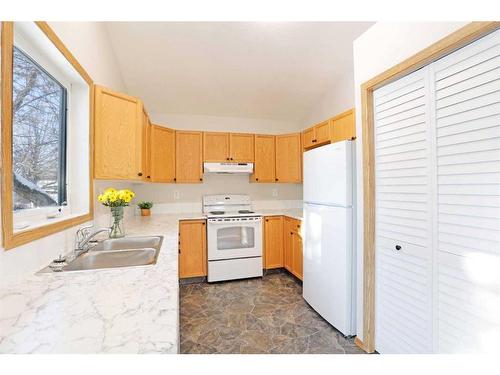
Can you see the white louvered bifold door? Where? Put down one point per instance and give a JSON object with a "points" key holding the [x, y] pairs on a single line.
{"points": [[403, 277], [466, 116]]}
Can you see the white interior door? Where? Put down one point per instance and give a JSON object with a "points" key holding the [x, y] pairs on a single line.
{"points": [[403, 277], [466, 100], [437, 146]]}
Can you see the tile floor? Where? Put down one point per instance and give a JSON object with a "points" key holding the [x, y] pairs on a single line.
{"points": [[265, 315]]}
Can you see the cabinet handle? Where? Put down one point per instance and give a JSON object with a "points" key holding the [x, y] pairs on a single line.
{"points": [[291, 233], [201, 179], [267, 220], [275, 179], [227, 158], [139, 174], [256, 179], [175, 179], [148, 176], [398, 247], [314, 140]]}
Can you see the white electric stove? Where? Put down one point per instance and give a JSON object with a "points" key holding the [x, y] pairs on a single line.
{"points": [[234, 237]]}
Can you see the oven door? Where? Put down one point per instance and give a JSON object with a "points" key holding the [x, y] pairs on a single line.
{"points": [[234, 238]]}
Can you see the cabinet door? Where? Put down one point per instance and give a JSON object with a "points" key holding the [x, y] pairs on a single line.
{"points": [[322, 132], [118, 133], [265, 158], [273, 241], [241, 148], [344, 126], [215, 147], [146, 146], [162, 167], [308, 137], [287, 243], [192, 248], [297, 254], [288, 158], [188, 157]]}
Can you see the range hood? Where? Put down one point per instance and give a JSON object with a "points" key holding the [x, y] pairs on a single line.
{"points": [[232, 168]]}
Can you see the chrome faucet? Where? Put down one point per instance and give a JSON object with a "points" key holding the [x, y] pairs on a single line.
{"points": [[83, 237]]}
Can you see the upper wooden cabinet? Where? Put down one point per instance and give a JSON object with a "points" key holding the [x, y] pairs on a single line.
{"points": [[339, 128], [317, 135], [223, 147], [192, 248], [273, 242], [265, 158], [188, 156], [344, 126], [119, 124], [288, 158], [146, 145], [215, 147], [241, 148], [308, 137], [162, 154]]}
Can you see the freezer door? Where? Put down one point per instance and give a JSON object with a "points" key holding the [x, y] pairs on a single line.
{"points": [[328, 264], [328, 174]]}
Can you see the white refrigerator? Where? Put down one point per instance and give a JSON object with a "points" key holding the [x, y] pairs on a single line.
{"points": [[329, 265]]}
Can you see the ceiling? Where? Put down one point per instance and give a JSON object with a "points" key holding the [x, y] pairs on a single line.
{"points": [[272, 70]]}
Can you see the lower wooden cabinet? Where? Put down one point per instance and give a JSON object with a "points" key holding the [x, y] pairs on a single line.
{"points": [[273, 242], [292, 241], [283, 244], [192, 248]]}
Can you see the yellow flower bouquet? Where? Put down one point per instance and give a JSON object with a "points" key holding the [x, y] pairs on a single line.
{"points": [[116, 200]]}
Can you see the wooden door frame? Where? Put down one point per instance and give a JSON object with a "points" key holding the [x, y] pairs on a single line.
{"points": [[445, 46]]}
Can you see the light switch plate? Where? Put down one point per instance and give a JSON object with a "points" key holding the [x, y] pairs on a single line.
{"points": [[275, 192], [176, 194]]}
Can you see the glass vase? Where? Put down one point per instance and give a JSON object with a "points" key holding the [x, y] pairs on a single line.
{"points": [[117, 228]]}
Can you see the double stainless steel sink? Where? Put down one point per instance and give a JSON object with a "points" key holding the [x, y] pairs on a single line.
{"points": [[114, 253]]}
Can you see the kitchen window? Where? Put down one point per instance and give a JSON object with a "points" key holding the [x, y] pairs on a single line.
{"points": [[47, 133], [38, 135]]}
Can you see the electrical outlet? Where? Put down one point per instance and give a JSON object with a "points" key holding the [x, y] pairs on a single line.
{"points": [[275, 192], [176, 194]]}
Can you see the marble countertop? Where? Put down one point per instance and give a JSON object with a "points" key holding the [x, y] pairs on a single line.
{"points": [[121, 310]]}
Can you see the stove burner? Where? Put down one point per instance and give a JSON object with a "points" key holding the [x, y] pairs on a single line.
{"points": [[217, 212], [246, 212]]}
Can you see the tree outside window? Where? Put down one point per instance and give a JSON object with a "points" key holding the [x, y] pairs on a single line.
{"points": [[39, 135]]}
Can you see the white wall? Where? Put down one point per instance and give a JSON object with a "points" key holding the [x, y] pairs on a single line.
{"points": [[381, 47], [89, 42], [337, 99], [228, 124]]}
